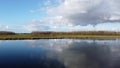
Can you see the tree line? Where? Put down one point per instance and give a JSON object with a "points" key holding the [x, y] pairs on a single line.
{"points": [[77, 33], [7, 33], [63, 33]]}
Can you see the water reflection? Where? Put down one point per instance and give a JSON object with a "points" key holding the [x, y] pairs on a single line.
{"points": [[60, 53], [1, 41], [86, 53], [51, 44]]}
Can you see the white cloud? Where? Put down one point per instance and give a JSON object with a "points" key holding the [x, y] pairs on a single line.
{"points": [[3, 27], [48, 24], [83, 12], [108, 26], [34, 26], [69, 15]]}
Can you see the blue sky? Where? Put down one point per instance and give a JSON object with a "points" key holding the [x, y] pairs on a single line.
{"points": [[14, 13], [59, 15], [18, 11]]}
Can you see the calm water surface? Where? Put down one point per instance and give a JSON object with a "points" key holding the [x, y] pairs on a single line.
{"points": [[60, 53]]}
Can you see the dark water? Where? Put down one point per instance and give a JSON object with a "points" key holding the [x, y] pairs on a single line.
{"points": [[60, 53]]}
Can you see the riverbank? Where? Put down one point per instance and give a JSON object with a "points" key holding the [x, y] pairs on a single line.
{"points": [[34, 37]]}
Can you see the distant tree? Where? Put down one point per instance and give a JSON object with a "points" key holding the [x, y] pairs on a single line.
{"points": [[76, 33], [7, 33]]}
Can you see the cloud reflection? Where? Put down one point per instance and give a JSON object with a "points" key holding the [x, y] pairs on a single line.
{"points": [[82, 53], [54, 44], [1, 41]]}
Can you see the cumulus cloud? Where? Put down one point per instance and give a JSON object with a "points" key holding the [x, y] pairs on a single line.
{"points": [[49, 24], [83, 12], [74, 15], [36, 26]]}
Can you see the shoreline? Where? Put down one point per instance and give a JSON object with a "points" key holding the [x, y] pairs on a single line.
{"points": [[62, 37], [36, 35]]}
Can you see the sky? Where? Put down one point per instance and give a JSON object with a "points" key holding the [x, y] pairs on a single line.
{"points": [[59, 15]]}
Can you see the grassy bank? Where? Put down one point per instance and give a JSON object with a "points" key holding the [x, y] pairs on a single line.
{"points": [[59, 35], [32, 37]]}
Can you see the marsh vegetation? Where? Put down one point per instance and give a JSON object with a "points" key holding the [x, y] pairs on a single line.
{"points": [[7, 35]]}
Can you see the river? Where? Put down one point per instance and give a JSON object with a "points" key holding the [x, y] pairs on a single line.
{"points": [[60, 53]]}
